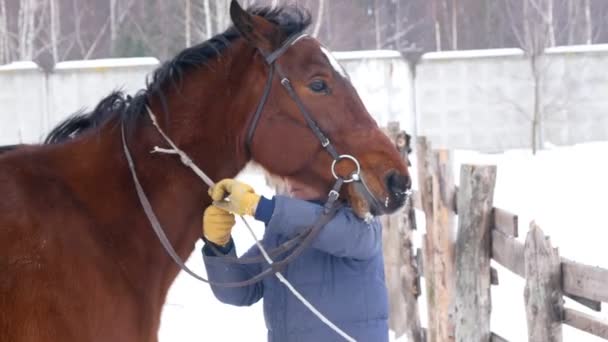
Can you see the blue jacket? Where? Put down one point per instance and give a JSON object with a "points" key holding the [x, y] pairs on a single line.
{"points": [[342, 275]]}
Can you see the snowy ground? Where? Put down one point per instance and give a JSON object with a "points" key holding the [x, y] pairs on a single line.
{"points": [[562, 189]]}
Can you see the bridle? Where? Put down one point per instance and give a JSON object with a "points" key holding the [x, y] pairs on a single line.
{"points": [[297, 244], [271, 62]]}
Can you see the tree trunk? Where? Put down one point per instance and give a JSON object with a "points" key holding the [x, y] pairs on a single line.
{"points": [[536, 116], [437, 25], [588, 23], [222, 15], [550, 23], [187, 24], [574, 18], [377, 24], [27, 15], [208, 16], [55, 29], [4, 41], [318, 19], [113, 27], [454, 24], [398, 25]]}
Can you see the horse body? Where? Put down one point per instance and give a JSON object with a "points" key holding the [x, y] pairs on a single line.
{"points": [[74, 240], [78, 258]]}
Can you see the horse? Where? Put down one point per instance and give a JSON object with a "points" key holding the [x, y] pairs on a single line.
{"points": [[78, 258]]}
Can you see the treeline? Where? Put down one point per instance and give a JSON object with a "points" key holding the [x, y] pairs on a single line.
{"points": [[54, 30]]}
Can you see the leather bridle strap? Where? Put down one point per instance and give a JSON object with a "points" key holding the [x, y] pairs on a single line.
{"points": [[259, 108], [330, 210], [287, 245], [271, 61], [309, 120]]}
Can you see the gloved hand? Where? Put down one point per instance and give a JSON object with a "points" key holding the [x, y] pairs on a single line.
{"points": [[217, 225], [242, 199]]}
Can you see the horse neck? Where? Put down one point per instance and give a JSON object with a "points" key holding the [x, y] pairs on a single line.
{"points": [[208, 129]]}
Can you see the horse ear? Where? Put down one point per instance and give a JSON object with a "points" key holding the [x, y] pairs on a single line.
{"points": [[258, 31]]}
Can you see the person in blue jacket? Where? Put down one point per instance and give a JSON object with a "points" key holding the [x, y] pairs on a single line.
{"points": [[341, 274]]}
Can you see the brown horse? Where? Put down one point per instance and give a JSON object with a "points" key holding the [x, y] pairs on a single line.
{"points": [[78, 259]]}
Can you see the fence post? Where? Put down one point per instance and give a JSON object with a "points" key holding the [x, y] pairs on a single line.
{"points": [[402, 275], [543, 292], [437, 189], [472, 300]]}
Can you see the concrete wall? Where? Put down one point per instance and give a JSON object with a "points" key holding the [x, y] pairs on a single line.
{"points": [[484, 100], [42, 100], [384, 82], [33, 102], [481, 100], [22, 103]]}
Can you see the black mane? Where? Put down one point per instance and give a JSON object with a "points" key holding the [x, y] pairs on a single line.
{"points": [[291, 20]]}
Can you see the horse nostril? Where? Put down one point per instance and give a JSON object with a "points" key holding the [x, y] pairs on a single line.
{"points": [[397, 183]]}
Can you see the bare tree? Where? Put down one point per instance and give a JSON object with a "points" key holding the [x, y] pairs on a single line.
{"points": [[588, 24], [208, 16], [90, 48], [377, 27], [113, 27], [318, 19], [55, 29], [5, 46], [405, 22], [535, 33], [454, 24], [436, 25], [188, 22], [27, 30]]}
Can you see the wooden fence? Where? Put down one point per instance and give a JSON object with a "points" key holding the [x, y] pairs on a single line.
{"points": [[457, 270]]}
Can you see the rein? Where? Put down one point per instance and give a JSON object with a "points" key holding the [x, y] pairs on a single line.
{"points": [[329, 211]]}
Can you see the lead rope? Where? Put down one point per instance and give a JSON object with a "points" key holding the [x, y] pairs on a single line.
{"points": [[187, 161]]}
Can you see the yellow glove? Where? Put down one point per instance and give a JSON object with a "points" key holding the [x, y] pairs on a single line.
{"points": [[242, 199], [217, 225]]}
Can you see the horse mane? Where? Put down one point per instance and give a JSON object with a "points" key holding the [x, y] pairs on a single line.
{"points": [[290, 20]]}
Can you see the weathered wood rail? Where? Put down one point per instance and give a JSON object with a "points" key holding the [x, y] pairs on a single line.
{"points": [[457, 269]]}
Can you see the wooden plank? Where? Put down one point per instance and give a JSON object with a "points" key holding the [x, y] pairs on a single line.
{"points": [[542, 293], [591, 304], [420, 262], [436, 185], [493, 276], [401, 274], [472, 253], [584, 322], [417, 200], [585, 281], [401, 271], [505, 222], [508, 252], [497, 338]]}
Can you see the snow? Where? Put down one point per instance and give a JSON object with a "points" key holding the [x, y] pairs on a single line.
{"points": [[562, 189], [345, 55], [578, 48], [21, 65], [107, 63], [462, 54]]}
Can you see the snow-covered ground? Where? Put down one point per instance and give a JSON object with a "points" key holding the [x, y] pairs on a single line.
{"points": [[563, 189]]}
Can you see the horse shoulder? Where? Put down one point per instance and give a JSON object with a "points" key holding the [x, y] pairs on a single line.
{"points": [[38, 251]]}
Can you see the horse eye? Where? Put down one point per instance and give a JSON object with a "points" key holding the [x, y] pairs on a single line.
{"points": [[319, 86]]}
